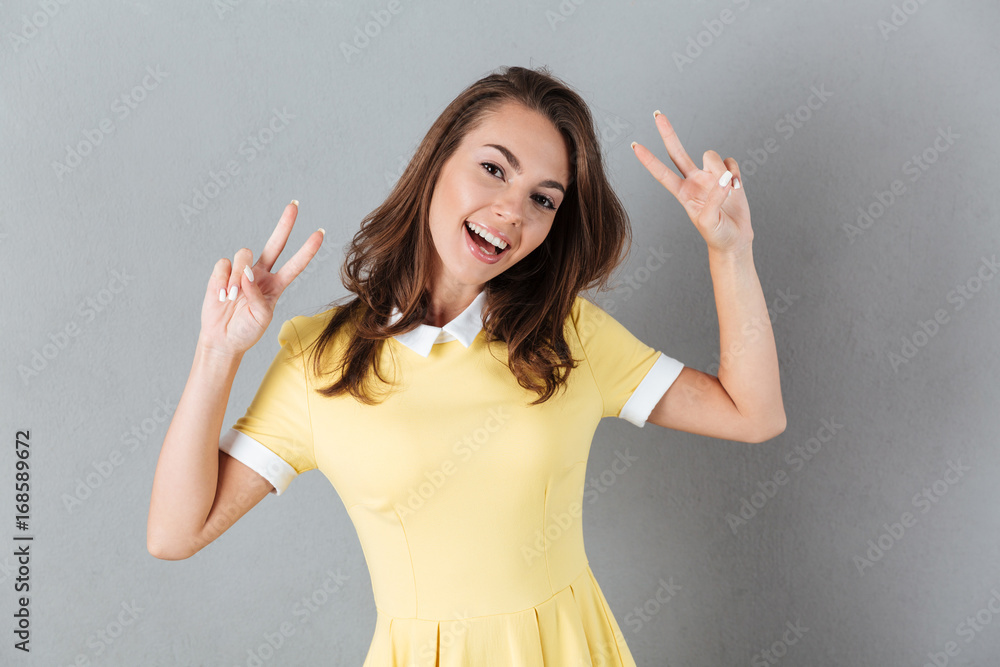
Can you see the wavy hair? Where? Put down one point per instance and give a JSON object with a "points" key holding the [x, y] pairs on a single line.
{"points": [[388, 261]]}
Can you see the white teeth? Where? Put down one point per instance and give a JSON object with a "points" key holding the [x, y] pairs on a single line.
{"points": [[486, 235]]}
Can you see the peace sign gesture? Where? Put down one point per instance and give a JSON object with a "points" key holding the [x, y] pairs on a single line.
{"points": [[239, 302], [713, 197]]}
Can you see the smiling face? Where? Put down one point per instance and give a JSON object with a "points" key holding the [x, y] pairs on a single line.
{"points": [[508, 176]]}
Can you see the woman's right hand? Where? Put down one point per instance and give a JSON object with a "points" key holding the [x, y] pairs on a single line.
{"points": [[232, 327]]}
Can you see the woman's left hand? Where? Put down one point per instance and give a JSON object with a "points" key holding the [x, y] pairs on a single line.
{"points": [[721, 214]]}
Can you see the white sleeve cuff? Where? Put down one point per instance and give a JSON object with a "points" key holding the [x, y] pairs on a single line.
{"points": [[258, 458], [651, 390]]}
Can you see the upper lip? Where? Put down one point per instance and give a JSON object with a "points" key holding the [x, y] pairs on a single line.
{"points": [[492, 231]]}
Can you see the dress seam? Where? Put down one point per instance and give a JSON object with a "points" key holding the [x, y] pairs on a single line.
{"points": [[590, 366], [607, 614], [308, 386], [505, 613], [409, 555], [545, 547]]}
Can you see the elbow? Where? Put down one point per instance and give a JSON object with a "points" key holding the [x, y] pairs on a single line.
{"points": [[164, 548], [162, 552], [768, 432]]}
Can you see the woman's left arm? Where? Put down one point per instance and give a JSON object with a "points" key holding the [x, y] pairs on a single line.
{"points": [[744, 401]]}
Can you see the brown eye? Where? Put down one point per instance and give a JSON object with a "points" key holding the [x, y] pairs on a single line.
{"points": [[487, 165], [546, 201]]}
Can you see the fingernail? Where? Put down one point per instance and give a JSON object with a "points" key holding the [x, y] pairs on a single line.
{"points": [[726, 177], [322, 231], [296, 202], [246, 270], [232, 293], [633, 145], [736, 182], [656, 113], [222, 294]]}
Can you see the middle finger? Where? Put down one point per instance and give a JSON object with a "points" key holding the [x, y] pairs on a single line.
{"points": [[674, 148]]}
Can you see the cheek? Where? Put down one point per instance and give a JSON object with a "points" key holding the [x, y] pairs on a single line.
{"points": [[536, 239]]}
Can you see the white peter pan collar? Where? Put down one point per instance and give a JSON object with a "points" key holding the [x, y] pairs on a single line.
{"points": [[464, 328]]}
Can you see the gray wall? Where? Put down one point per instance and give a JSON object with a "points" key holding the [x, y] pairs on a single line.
{"points": [[111, 354]]}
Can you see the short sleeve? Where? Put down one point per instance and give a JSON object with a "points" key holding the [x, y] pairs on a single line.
{"points": [[275, 437], [631, 376]]}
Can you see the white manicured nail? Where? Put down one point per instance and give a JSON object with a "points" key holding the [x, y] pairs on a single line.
{"points": [[726, 177], [736, 183], [246, 270], [232, 293], [222, 294]]}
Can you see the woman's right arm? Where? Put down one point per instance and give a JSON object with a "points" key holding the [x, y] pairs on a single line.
{"points": [[199, 491]]}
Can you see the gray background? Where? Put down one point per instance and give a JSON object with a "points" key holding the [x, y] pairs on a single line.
{"points": [[853, 300]]}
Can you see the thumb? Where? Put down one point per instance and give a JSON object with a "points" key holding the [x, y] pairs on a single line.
{"points": [[711, 214], [256, 301]]}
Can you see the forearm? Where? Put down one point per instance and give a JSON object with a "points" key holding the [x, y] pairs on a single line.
{"points": [[186, 477], [748, 360]]}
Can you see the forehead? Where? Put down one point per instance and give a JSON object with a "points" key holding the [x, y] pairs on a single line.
{"points": [[529, 135]]}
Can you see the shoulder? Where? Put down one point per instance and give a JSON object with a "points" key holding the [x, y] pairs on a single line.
{"points": [[585, 316], [301, 331]]}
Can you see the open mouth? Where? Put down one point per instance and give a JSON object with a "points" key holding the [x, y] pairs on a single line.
{"points": [[485, 245]]}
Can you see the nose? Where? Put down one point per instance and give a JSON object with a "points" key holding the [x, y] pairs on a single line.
{"points": [[508, 208]]}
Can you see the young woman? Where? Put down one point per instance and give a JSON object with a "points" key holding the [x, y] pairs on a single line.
{"points": [[453, 400]]}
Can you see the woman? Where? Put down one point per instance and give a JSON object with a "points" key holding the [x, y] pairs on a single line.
{"points": [[452, 401]]}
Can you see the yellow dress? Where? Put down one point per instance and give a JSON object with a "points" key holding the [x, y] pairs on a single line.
{"points": [[467, 501]]}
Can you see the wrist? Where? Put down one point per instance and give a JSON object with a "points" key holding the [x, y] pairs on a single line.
{"points": [[742, 253], [216, 358]]}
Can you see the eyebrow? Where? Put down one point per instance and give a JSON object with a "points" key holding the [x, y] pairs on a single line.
{"points": [[514, 162]]}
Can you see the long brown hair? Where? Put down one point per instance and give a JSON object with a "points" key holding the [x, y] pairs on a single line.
{"points": [[389, 258]]}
